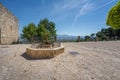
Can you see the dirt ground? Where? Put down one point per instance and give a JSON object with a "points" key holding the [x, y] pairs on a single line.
{"points": [[80, 61]]}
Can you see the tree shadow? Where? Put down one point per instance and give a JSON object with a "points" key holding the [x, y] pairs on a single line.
{"points": [[74, 53], [24, 55]]}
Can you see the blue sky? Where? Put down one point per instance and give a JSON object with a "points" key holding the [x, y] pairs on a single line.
{"points": [[72, 17]]}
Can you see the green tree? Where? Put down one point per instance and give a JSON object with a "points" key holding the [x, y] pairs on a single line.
{"points": [[113, 18], [92, 36], [108, 34], [49, 27], [43, 33], [87, 38], [30, 31], [99, 35]]}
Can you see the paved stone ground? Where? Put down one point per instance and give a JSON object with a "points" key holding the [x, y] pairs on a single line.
{"points": [[80, 61]]}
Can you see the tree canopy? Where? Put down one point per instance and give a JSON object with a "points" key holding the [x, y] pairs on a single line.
{"points": [[30, 31], [104, 35], [44, 31], [108, 34], [113, 18]]}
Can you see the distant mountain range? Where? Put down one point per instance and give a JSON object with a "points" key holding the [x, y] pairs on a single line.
{"points": [[67, 37]]}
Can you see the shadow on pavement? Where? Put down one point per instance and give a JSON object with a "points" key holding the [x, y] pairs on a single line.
{"points": [[24, 55], [74, 53]]}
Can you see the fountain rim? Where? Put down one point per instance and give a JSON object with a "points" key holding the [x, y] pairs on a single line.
{"points": [[46, 48]]}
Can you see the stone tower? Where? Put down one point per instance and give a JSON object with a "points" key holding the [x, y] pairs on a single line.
{"points": [[8, 26]]}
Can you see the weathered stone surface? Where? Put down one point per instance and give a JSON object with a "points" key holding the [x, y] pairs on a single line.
{"points": [[8, 26]]}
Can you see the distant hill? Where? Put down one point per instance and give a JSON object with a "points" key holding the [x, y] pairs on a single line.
{"points": [[66, 37]]}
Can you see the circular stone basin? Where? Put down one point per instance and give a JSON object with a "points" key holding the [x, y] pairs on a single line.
{"points": [[44, 52]]}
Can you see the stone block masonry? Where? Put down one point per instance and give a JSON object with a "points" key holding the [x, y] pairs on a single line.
{"points": [[44, 53], [8, 26]]}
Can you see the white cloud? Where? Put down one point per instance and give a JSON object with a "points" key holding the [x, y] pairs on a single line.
{"points": [[106, 4], [66, 5], [80, 8], [73, 4], [88, 7], [85, 8]]}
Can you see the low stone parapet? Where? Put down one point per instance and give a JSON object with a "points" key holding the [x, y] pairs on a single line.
{"points": [[44, 53]]}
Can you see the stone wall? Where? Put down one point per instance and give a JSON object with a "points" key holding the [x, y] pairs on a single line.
{"points": [[8, 26]]}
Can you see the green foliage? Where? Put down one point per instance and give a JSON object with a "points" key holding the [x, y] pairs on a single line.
{"points": [[30, 31], [113, 18], [46, 29], [87, 38], [104, 35], [108, 34], [92, 36], [43, 33]]}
